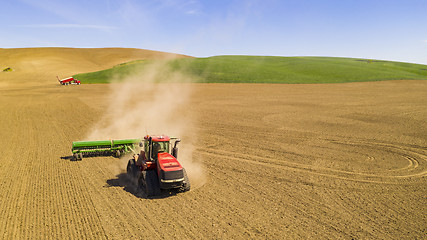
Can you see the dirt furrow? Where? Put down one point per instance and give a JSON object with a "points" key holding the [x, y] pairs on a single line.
{"points": [[281, 161]]}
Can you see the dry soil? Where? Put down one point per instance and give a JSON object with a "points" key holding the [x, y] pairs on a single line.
{"points": [[329, 161]]}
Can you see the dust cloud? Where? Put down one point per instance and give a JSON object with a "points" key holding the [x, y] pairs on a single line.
{"points": [[153, 100]]}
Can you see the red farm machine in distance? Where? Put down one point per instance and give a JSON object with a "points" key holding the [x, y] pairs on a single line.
{"points": [[69, 80]]}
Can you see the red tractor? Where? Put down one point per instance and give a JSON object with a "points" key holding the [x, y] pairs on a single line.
{"points": [[69, 80], [156, 167]]}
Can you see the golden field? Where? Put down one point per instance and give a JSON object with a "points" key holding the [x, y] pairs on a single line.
{"points": [[328, 161]]}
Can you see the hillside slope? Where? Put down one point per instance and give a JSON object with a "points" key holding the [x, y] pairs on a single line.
{"points": [[47, 63], [270, 69]]}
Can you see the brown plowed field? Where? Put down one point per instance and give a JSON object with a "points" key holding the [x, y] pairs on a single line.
{"points": [[335, 161]]}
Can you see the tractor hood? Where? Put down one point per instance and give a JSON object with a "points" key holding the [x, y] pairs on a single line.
{"points": [[168, 163], [170, 171]]}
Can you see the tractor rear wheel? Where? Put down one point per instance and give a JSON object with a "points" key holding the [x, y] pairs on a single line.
{"points": [[149, 183], [130, 169]]}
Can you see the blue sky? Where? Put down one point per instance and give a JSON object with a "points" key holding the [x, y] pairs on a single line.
{"points": [[378, 29]]}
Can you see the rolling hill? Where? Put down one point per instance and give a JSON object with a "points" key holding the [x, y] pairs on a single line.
{"points": [[269, 69], [44, 64]]}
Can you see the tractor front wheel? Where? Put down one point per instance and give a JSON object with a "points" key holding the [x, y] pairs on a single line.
{"points": [[186, 185], [149, 183]]}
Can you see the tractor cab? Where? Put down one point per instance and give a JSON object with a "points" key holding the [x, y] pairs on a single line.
{"points": [[159, 147], [154, 145]]}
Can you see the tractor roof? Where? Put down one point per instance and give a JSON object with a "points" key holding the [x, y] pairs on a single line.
{"points": [[159, 138]]}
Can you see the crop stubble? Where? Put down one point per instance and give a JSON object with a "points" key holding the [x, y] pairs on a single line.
{"points": [[294, 161]]}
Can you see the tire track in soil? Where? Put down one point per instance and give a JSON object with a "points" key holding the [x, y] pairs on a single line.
{"points": [[140, 211], [370, 223], [112, 207], [11, 203], [219, 164], [43, 194], [397, 149], [335, 173], [73, 187], [345, 205], [402, 150], [296, 154], [134, 211], [30, 217], [246, 195], [375, 216], [265, 191]]}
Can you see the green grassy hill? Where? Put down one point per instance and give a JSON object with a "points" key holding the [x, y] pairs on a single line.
{"points": [[263, 69]]}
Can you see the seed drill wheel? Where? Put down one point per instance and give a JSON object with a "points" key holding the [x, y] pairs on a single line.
{"points": [[117, 153], [80, 156], [149, 183], [75, 157]]}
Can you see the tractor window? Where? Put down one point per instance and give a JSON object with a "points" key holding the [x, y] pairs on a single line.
{"points": [[146, 149], [159, 147]]}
